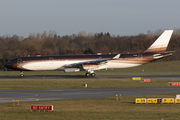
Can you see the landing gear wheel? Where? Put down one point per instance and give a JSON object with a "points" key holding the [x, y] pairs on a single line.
{"points": [[93, 74], [22, 75], [87, 74]]}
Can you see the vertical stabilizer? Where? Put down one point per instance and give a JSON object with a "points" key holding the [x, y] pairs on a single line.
{"points": [[160, 45]]}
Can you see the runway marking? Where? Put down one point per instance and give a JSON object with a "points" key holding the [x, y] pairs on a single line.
{"points": [[55, 90]]}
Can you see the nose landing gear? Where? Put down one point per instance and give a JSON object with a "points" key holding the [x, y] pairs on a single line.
{"points": [[21, 73]]}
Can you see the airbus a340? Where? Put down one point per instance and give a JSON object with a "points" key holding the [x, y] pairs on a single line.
{"points": [[90, 63]]}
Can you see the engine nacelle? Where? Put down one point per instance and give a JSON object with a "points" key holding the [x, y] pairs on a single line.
{"points": [[68, 70]]}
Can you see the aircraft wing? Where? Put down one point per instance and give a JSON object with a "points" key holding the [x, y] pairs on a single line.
{"points": [[89, 65], [100, 60]]}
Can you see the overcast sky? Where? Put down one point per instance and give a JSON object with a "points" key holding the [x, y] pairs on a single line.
{"points": [[67, 17]]}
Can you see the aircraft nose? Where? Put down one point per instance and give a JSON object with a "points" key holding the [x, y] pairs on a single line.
{"points": [[7, 65]]}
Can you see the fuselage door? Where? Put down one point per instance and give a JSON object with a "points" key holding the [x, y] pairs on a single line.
{"points": [[51, 60], [19, 60], [140, 57]]}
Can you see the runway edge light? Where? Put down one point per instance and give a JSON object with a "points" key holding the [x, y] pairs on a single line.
{"points": [[17, 102], [117, 97], [120, 97], [13, 102]]}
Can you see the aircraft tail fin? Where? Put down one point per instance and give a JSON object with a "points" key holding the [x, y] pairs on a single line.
{"points": [[160, 45]]}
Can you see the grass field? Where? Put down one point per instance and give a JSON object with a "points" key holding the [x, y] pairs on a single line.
{"points": [[91, 109], [78, 83], [95, 109]]}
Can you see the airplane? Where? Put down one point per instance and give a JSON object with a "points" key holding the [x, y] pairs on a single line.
{"points": [[92, 62]]}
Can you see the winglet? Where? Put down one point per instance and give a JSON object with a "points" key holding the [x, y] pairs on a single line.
{"points": [[117, 56], [160, 45]]}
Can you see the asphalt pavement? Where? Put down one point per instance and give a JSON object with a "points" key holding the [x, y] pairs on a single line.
{"points": [[27, 95]]}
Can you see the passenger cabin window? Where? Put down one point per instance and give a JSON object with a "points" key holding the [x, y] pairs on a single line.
{"points": [[51, 58]]}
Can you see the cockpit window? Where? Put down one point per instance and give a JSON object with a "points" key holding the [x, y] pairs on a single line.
{"points": [[10, 61]]}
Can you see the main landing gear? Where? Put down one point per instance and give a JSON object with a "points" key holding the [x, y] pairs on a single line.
{"points": [[92, 74]]}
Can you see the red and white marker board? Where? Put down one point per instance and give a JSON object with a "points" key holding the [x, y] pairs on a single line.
{"points": [[42, 107]]}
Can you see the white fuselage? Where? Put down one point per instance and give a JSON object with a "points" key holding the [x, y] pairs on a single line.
{"points": [[60, 64]]}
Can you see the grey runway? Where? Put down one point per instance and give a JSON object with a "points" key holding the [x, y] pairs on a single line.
{"points": [[83, 76], [6, 96]]}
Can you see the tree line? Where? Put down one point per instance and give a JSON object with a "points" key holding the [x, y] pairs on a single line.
{"points": [[49, 43]]}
